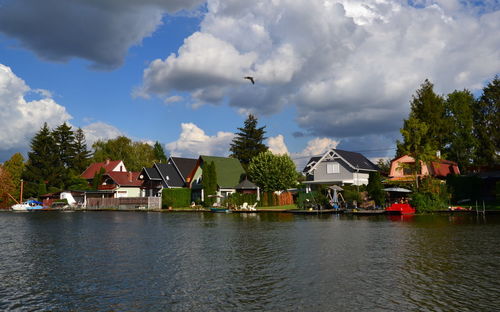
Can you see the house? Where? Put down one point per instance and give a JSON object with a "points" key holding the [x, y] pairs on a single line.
{"points": [[229, 173], [116, 178], [338, 167], [173, 174], [401, 168]]}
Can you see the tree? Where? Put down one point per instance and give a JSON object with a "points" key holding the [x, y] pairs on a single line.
{"points": [[82, 155], [64, 139], [486, 121], [209, 182], [428, 107], [43, 165], [247, 143], [135, 155], [272, 172], [15, 166], [159, 153], [375, 188], [384, 166], [460, 141], [416, 144], [6, 187]]}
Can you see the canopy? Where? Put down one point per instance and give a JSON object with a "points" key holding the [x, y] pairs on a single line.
{"points": [[336, 188], [397, 189]]}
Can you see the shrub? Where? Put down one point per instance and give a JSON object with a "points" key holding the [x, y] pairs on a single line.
{"points": [[237, 199], [180, 197]]}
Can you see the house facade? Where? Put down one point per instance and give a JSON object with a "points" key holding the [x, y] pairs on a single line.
{"points": [[338, 167], [401, 168], [116, 179]]}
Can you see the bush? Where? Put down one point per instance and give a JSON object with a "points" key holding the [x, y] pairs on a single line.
{"points": [[314, 199], [433, 195], [180, 197], [237, 199]]}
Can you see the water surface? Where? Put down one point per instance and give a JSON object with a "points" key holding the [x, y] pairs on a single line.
{"points": [[131, 261]]}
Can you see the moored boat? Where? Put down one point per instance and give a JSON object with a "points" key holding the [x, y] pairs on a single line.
{"points": [[28, 205], [399, 209], [213, 209]]}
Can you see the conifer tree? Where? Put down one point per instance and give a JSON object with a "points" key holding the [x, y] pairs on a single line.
{"points": [[43, 165], [159, 153], [64, 139], [248, 142], [82, 155]]}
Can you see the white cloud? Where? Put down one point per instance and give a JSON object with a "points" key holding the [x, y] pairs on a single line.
{"points": [[315, 147], [349, 66], [20, 119], [100, 131], [193, 142], [173, 99], [277, 145]]}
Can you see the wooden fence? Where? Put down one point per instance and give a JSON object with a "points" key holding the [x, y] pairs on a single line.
{"points": [[125, 203]]}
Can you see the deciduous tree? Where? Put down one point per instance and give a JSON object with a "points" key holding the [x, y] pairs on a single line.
{"points": [[272, 172]]}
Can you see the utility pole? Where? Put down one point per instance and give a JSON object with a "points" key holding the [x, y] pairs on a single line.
{"points": [[21, 194]]}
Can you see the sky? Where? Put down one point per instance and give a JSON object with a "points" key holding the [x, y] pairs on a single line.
{"points": [[328, 73]]}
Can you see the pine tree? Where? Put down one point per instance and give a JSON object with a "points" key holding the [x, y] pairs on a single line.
{"points": [[43, 164], [159, 153], [486, 125], [248, 142], [82, 155], [64, 139]]}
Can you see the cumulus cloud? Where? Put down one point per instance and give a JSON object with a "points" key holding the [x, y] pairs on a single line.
{"points": [[20, 119], [100, 131], [193, 142], [100, 31], [277, 145], [349, 66]]}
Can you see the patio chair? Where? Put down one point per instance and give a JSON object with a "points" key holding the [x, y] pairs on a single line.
{"points": [[244, 206], [252, 207]]}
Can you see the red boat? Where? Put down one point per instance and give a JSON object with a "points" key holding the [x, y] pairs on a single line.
{"points": [[400, 209]]}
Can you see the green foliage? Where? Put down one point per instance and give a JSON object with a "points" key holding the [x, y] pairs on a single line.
{"points": [[98, 178], [464, 187], [272, 172], [43, 163], [237, 199], [248, 142], [42, 189], [15, 167], [375, 188], [486, 121], [159, 153], [315, 200], [351, 193], [135, 155], [432, 195], [209, 182], [384, 166], [180, 197], [6, 187]]}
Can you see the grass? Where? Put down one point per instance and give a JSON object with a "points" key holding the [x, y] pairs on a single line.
{"points": [[285, 207]]}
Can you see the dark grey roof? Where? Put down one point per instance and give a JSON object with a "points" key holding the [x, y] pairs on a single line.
{"points": [[170, 175], [309, 165], [246, 185], [184, 165], [152, 173], [357, 160]]}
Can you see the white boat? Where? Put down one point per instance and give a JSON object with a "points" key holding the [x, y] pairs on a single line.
{"points": [[28, 205]]}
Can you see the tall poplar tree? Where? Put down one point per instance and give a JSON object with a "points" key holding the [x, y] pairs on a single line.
{"points": [[159, 153], [15, 167], [248, 142]]}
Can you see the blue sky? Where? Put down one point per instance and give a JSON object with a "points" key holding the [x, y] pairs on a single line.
{"points": [[328, 73]]}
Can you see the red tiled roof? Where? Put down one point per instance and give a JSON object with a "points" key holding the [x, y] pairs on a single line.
{"points": [[125, 178], [442, 168], [94, 168]]}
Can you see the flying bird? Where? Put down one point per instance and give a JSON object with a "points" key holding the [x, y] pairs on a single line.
{"points": [[250, 78]]}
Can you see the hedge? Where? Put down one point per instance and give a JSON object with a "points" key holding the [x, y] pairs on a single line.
{"points": [[180, 197]]}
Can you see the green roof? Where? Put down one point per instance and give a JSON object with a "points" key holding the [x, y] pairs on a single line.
{"points": [[228, 170]]}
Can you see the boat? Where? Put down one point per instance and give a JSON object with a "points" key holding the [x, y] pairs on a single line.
{"points": [[400, 205], [28, 205], [214, 209]]}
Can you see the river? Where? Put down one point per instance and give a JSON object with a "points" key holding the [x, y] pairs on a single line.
{"points": [[133, 261]]}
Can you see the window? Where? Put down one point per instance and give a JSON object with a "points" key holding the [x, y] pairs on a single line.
{"points": [[332, 168]]}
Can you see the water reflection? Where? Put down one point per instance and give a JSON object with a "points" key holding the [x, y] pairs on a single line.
{"points": [[240, 262]]}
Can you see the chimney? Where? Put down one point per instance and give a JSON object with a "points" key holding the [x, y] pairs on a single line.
{"points": [[107, 162], [130, 176]]}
